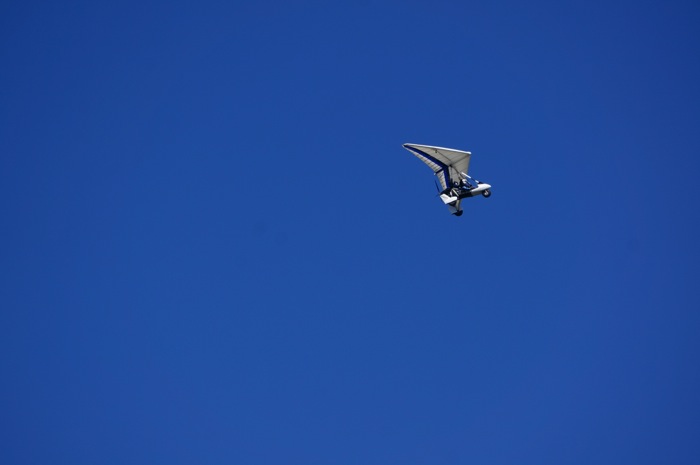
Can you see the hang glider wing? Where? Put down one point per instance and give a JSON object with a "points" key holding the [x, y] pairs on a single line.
{"points": [[447, 164]]}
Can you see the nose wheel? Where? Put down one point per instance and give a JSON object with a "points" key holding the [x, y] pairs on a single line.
{"points": [[486, 193]]}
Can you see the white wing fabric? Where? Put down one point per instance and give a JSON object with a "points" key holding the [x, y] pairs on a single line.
{"points": [[447, 164]]}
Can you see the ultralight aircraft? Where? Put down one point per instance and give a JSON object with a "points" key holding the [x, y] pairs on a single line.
{"points": [[450, 167]]}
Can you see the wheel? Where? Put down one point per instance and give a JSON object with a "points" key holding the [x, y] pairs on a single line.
{"points": [[487, 193], [459, 213]]}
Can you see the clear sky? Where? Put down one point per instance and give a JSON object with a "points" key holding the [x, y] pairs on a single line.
{"points": [[216, 251]]}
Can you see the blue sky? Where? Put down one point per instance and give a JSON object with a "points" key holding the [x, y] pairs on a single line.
{"points": [[215, 249]]}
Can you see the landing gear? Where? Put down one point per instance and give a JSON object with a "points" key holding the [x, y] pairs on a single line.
{"points": [[459, 213], [486, 193]]}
